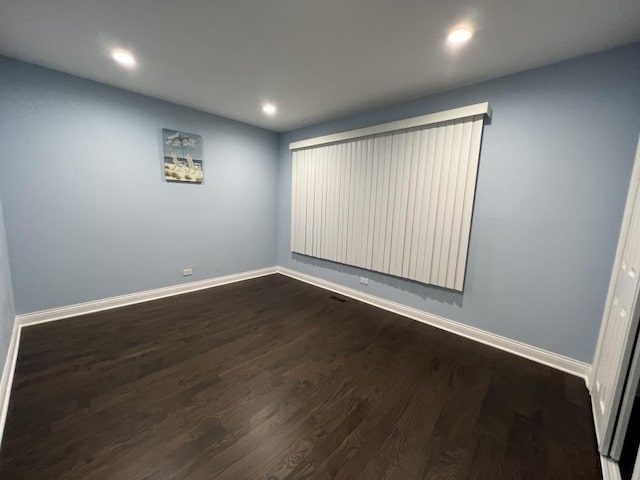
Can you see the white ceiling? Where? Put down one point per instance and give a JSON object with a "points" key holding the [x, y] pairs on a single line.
{"points": [[315, 59]]}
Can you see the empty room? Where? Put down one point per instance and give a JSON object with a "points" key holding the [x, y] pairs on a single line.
{"points": [[355, 240]]}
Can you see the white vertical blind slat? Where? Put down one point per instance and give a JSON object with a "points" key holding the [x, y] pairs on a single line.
{"points": [[359, 215], [304, 178], [310, 182], [295, 222], [469, 194], [439, 245], [399, 244], [372, 199], [353, 164], [342, 228], [456, 224], [381, 214], [449, 203], [398, 211], [411, 226], [423, 252], [337, 197], [325, 203], [416, 240], [329, 216], [434, 199]]}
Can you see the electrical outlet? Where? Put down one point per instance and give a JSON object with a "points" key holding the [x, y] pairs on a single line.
{"points": [[364, 280], [187, 272]]}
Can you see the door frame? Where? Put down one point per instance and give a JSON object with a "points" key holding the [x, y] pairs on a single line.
{"points": [[605, 437]]}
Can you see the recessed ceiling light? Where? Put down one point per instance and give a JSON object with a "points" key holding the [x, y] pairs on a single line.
{"points": [[124, 58], [269, 108], [459, 35]]}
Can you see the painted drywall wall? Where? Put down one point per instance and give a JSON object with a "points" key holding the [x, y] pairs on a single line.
{"points": [[87, 212], [554, 170], [7, 311]]}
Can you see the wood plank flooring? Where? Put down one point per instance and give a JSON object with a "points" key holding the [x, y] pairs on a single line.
{"points": [[274, 379]]}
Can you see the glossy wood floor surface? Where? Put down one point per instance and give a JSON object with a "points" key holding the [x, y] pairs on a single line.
{"points": [[274, 379]]}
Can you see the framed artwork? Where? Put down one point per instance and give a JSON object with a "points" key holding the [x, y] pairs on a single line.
{"points": [[182, 157]]}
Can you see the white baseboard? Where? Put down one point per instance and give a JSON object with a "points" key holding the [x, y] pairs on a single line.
{"points": [[7, 375], [50, 315], [138, 297], [554, 360], [610, 469]]}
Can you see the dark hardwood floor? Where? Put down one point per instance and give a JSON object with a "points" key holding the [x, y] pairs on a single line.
{"points": [[272, 379]]}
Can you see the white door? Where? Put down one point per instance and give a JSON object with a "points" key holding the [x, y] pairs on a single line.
{"points": [[620, 321]]}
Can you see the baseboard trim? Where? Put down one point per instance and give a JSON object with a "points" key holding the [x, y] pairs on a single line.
{"points": [[138, 297], [61, 313], [7, 375], [550, 359], [610, 469]]}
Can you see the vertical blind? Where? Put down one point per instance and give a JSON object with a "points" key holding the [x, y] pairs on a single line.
{"points": [[393, 200]]}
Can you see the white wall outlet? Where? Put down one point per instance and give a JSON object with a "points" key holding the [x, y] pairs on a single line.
{"points": [[364, 280], [187, 272]]}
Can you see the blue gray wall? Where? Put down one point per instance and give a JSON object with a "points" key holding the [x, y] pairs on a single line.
{"points": [[7, 311], [554, 171], [87, 212]]}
